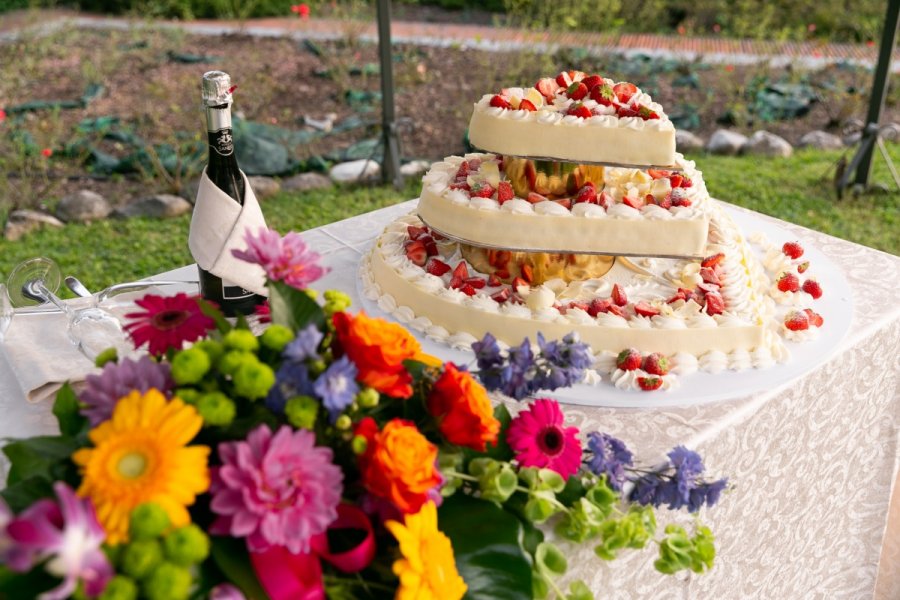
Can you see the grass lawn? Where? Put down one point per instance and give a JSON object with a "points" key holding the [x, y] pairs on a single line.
{"points": [[798, 189]]}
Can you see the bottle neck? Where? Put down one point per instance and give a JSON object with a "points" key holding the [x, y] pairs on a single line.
{"points": [[222, 167]]}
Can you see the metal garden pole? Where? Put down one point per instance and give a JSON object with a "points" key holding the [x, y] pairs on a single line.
{"points": [[390, 167]]}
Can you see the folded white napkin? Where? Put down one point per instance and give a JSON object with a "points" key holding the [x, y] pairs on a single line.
{"points": [[217, 227], [41, 356]]}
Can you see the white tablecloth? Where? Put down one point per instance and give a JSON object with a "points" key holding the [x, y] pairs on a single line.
{"points": [[814, 463]]}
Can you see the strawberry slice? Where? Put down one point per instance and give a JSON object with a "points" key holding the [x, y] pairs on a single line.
{"points": [[675, 180], [460, 274], [437, 267], [459, 185], [518, 282], [463, 171], [624, 91], [528, 105], [618, 296], [505, 192], [564, 80], [679, 199], [534, 198], [579, 305], [649, 384], [797, 320], [417, 253], [709, 275], [501, 296], [564, 202], [659, 173], [494, 281], [713, 260], [577, 91], [599, 305], [592, 80], [708, 287], [548, 88], [474, 165], [812, 287], [626, 110], [815, 319], [482, 190], [715, 304], [501, 259], [475, 282], [792, 249], [645, 309], [665, 202], [467, 289], [603, 94], [580, 110], [655, 364], [416, 232], [500, 102], [502, 273], [605, 199], [618, 311], [634, 202], [588, 193], [430, 245], [629, 360], [527, 274]]}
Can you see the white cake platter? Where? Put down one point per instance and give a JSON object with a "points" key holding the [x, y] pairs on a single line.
{"points": [[835, 306]]}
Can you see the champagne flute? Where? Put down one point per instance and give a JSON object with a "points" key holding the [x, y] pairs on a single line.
{"points": [[92, 330]]}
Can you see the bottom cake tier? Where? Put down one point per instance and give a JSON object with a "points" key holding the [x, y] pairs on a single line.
{"points": [[719, 312]]}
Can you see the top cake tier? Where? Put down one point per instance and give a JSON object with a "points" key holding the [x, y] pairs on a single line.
{"points": [[575, 117]]}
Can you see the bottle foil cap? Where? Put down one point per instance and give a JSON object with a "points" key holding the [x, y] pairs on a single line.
{"points": [[216, 88]]}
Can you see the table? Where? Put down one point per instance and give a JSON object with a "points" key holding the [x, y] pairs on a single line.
{"points": [[815, 462]]}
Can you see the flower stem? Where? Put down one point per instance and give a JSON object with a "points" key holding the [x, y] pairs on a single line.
{"points": [[356, 582]]}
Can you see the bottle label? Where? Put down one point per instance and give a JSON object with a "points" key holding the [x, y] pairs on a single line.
{"points": [[222, 142], [234, 292]]}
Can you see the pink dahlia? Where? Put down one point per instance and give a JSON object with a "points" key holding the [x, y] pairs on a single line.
{"points": [[286, 259], [66, 538], [538, 438], [167, 322], [275, 490]]}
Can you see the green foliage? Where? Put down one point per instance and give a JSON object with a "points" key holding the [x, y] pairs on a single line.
{"points": [[231, 556]]}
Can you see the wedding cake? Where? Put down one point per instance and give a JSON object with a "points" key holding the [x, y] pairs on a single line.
{"points": [[581, 217]]}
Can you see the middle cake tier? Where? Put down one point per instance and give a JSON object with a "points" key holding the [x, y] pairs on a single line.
{"points": [[519, 204]]}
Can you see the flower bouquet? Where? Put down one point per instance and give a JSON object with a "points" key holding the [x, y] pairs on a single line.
{"points": [[326, 456]]}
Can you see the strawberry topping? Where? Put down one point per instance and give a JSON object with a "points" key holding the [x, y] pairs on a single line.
{"points": [[812, 287], [629, 360], [792, 249]]}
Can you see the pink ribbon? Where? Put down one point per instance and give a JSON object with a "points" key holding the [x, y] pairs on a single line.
{"points": [[287, 576]]}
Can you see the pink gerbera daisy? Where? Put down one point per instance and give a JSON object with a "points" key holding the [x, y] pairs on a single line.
{"points": [[286, 259], [538, 438], [167, 322]]}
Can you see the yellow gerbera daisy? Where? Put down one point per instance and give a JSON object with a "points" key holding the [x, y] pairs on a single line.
{"points": [[427, 570], [140, 455]]}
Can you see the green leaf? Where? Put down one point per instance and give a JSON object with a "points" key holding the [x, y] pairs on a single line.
{"points": [[66, 411], [550, 560], [578, 590], [231, 556], [293, 308], [37, 456], [23, 494], [25, 585], [492, 563], [573, 491], [501, 450], [212, 311]]}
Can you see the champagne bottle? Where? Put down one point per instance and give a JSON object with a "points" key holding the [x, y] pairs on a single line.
{"points": [[222, 170]]}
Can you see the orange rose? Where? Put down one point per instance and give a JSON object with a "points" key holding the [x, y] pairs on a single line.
{"points": [[463, 410], [398, 464], [378, 349]]}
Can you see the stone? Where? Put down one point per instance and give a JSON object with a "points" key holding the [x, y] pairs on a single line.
{"points": [[765, 143], [21, 222], [891, 132], [727, 142], [685, 141], [355, 171], [820, 140], [852, 139], [306, 181], [160, 206], [414, 168], [83, 206], [264, 187]]}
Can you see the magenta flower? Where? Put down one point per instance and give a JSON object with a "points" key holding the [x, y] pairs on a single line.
{"points": [[65, 535], [103, 391], [538, 438], [275, 490], [286, 259]]}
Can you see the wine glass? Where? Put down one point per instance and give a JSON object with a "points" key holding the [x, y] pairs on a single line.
{"points": [[92, 330], [6, 312]]}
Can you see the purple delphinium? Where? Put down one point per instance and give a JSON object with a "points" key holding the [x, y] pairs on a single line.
{"points": [[610, 457], [683, 488], [103, 391], [291, 379], [67, 536], [304, 346], [337, 386], [286, 259], [275, 489]]}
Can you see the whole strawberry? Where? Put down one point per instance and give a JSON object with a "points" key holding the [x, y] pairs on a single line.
{"points": [[797, 320], [655, 364], [648, 384], [792, 249], [629, 360], [788, 282], [812, 287]]}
